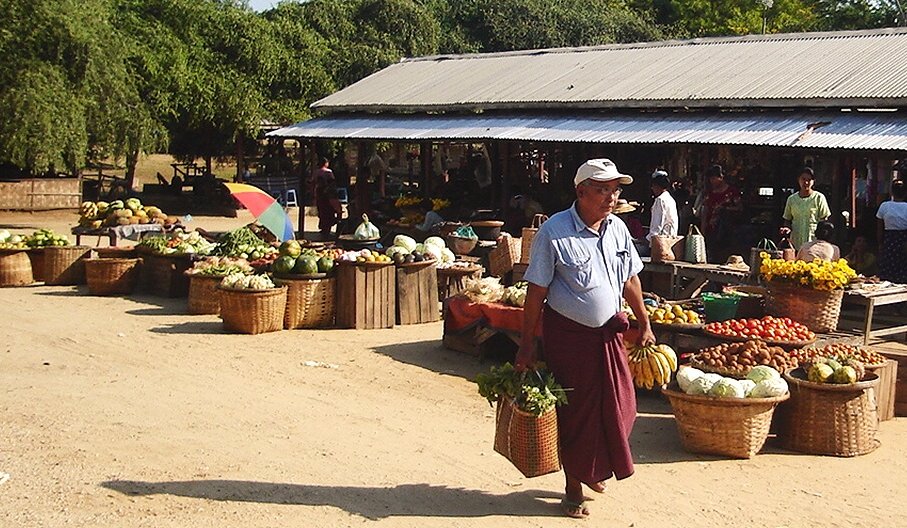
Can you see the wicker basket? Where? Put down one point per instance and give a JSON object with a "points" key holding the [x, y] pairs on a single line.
{"points": [[529, 235], [735, 427], [36, 256], [829, 419], [165, 275], [460, 245], [65, 265], [818, 310], [529, 442], [110, 276], [15, 268], [502, 258], [253, 311], [204, 296], [116, 252], [310, 302]]}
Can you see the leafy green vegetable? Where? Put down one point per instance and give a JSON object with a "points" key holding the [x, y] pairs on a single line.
{"points": [[534, 391]]}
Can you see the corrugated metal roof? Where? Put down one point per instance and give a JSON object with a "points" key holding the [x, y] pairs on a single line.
{"points": [[848, 130], [836, 69]]}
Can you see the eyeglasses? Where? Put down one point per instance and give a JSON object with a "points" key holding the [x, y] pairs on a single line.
{"points": [[603, 191]]}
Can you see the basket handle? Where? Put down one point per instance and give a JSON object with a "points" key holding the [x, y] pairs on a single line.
{"points": [[693, 230], [538, 220], [766, 243]]}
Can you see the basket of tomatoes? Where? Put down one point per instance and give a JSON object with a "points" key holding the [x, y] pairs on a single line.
{"points": [[781, 331]]}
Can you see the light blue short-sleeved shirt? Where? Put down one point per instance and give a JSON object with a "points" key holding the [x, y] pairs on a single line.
{"points": [[584, 271]]}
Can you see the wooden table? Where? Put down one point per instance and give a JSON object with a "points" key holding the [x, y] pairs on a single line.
{"points": [[893, 295], [698, 274], [135, 232], [452, 281]]}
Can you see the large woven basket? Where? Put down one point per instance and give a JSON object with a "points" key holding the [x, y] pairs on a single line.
{"points": [[15, 268], [253, 311], [204, 295], [735, 427], [310, 302], [818, 310], [116, 252], [65, 265], [829, 419], [502, 258], [529, 442], [110, 276], [36, 256], [529, 235], [165, 275]]}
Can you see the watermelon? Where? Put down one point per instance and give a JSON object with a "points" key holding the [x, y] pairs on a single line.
{"points": [[290, 248], [325, 264], [306, 265], [284, 265]]}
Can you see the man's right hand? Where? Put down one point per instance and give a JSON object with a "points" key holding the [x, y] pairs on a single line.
{"points": [[526, 356]]}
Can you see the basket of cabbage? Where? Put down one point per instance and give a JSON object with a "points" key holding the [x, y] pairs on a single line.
{"points": [[251, 304], [724, 416]]}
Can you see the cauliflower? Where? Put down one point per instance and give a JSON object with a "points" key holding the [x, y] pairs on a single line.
{"points": [[747, 386], [685, 377]]}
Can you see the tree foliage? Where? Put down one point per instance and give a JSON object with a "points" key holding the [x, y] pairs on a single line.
{"points": [[91, 78]]}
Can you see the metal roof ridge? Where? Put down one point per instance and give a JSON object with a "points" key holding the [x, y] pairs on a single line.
{"points": [[698, 41]]}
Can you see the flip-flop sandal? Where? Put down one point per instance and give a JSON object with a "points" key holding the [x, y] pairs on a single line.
{"points": [[573, 509]]}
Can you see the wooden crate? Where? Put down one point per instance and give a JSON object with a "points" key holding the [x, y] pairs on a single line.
{"points": [[417, 294], [887, 390], [366, 296], [900, 390]]}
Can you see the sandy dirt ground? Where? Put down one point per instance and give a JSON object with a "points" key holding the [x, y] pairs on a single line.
{"points": [[127, 412]]}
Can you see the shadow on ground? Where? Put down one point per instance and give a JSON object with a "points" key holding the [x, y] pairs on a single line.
{"points": [[70, 291], [191, 328], [158, 305], [408, 500], [432, 355]]}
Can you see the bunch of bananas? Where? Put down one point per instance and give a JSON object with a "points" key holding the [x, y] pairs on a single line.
{"points": [[652, 365]]}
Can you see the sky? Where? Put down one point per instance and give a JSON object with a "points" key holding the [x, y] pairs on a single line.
{"points": [[262, 5]]}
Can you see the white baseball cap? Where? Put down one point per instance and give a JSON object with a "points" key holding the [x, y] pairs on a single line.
{"points": [[602, 170]]}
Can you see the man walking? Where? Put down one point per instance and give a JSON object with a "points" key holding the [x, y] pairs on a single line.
{"points": [[583, 262], [664, 209]]}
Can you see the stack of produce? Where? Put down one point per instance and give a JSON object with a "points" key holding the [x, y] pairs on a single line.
{"points": [[243, 243], [46, 237], [669, 313], [177, 243], [293, 259], [841, 353], [365, 255], [760, 382], [737, 359], [487, 290], [820, 369], [119, 212], [772, 329], [221, 267], [461, 264], [652, 365], [405, 250], [241, 281], [516, 295], [11, 241], [534, 394]]}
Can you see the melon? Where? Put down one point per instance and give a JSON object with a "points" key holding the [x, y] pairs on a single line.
{"points": [[306, 265]]}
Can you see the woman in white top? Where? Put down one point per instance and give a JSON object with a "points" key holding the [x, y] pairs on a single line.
{"points": [[821, 247], [892, 217]]}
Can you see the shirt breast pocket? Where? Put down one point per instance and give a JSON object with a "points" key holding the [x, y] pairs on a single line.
{"points": [[579, 274]]}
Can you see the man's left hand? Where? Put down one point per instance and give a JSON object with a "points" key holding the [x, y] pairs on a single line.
{"points": [[646, 337]]}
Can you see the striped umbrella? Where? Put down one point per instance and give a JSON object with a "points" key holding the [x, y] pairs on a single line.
{"points": [[264, 208]]}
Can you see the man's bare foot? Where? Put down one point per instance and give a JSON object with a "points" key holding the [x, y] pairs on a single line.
{"points": [[598, 487]]}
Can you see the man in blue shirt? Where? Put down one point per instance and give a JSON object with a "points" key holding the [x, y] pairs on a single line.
{"points": [[583, 262]]}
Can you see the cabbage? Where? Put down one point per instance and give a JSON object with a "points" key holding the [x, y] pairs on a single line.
{"points": [[366, 230], [762, 372], [447, 256], [434, 251], [393, 250], [727, 388], [405, 242], [700, 386], [747, 386], [769, 388], [435, 241], [685, 377], [420, 248]]}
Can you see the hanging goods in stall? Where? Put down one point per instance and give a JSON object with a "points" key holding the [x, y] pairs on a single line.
{"points": [[694, 246], [529, 236], [764, 245], [788, 252]]}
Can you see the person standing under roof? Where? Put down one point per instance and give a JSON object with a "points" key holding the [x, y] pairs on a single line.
{"points": [[583, 263], [892, 217], [664, 209], [805, 209]]}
